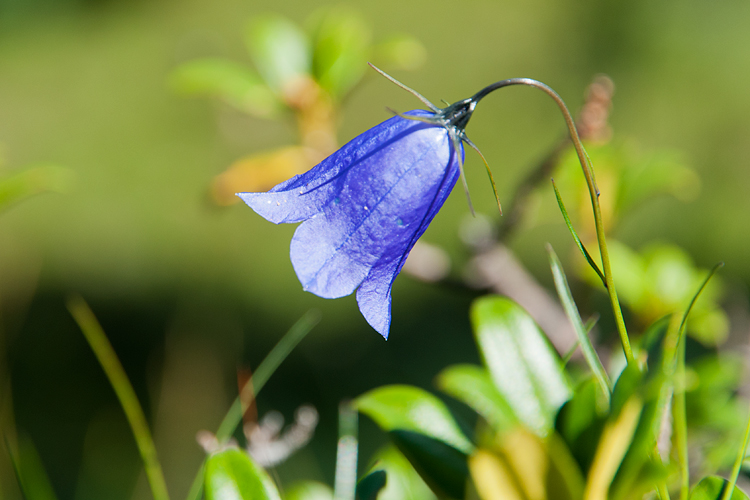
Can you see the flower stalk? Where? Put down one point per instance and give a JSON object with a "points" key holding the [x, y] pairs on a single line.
{"points": [[588, 173]]}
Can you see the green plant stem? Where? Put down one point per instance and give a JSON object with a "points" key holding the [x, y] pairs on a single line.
{"points": [[737, 464], [588, 172], [252, 387], [112, 367], [679, 414]]}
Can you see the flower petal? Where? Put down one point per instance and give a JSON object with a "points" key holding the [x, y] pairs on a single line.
{"points": [[305, 195], [385, 207]]}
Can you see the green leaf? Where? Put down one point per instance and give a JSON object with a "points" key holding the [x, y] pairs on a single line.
{"points": [[234, 83], [580, 423], [443, 467], [712, 488], [566, 298], [611, 448], [473, 386], [30, 472], [280, 50], [407, 408], [523, 465], [371, 485], [404, 483], [524, 367], [32, 181], [231, 475], [309, 490], [342, 48]]}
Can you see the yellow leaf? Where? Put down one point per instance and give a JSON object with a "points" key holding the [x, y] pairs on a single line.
{"points": [[261, 172], [492, 477]]}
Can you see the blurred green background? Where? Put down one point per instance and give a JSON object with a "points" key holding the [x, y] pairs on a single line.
{"points": [[188, 291]]}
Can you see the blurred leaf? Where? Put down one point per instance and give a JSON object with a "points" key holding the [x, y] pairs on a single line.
{"points": [[492, 477], [369, 487], [342, 48], [661, 279], [525, 466], [280, 50], [566, 298], [473, 386], [231, 475], [524, 367], [30, 472], [652, 342], [32, 181], [662, 172], [641, 467], [712, 488], [309, 490], [613, 444], [234, 83], [400, 52], [628, 385], [563, 474], [443, 467], [407, 408], [404, 483], [580, 423], [261, 172]]}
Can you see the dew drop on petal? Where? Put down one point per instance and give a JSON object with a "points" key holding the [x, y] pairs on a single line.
{"points": [[399, 222], [336, 200]]}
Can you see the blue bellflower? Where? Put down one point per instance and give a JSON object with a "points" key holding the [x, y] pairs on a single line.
{"points": [[364, 207]]}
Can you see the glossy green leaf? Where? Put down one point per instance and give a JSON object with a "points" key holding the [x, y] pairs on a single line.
{"points": [[309, 490], [234, 83], [342, 49], [370, 486], [443, 467], [524, 367], [232, 475], [407, 408], [403, 482], [280, 50], [712, 488], [473, 386], [31, 181]]}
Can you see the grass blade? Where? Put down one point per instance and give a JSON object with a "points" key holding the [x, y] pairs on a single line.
{"points": [[112, 367], [679, 410], [563, 290], [573, 233], [252, 387]]}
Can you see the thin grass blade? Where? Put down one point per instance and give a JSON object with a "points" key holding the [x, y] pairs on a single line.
{"points": [[112, 367], [578, 241], [563, 290]]}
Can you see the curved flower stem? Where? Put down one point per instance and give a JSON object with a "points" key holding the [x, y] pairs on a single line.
{"points": [[588, 172]]}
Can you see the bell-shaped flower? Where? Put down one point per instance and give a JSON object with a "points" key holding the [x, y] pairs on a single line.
{"points": [[364, 207]]}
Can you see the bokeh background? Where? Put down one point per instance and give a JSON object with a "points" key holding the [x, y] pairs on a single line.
{"points": [[189, 291]]}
